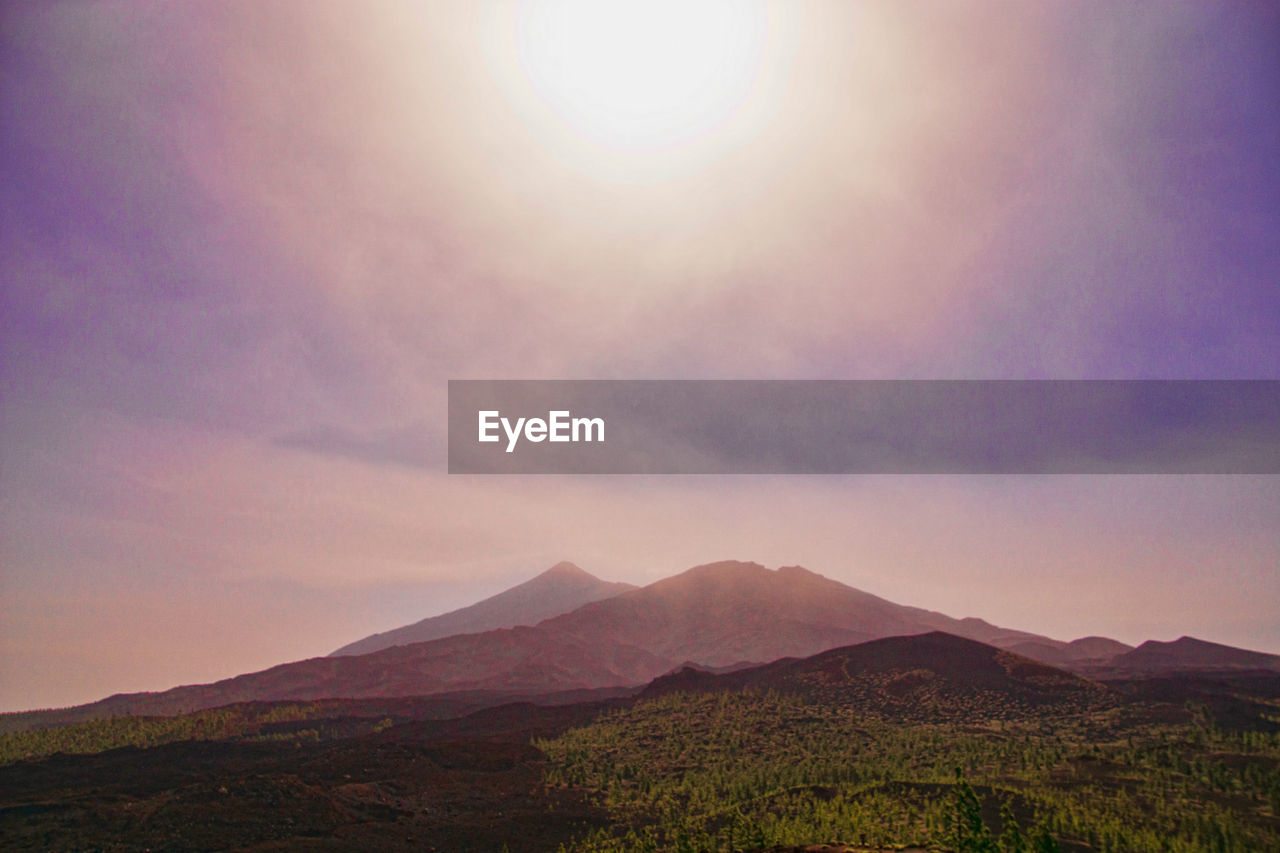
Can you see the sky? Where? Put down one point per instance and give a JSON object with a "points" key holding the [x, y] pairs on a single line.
{"points": [[246, 245]]}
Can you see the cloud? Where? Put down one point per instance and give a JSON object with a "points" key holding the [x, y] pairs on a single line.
{"points": [[413, 445]]}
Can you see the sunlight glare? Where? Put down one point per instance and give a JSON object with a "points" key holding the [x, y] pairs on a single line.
{"points": [[642, 76]]}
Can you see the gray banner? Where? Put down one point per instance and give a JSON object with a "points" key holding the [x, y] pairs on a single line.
{"points": [[864, 427]]}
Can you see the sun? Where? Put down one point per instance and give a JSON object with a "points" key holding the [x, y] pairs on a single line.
{"points": [[641, 76]]}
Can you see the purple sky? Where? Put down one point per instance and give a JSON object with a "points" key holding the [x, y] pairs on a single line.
{"points": [[244, 246]]}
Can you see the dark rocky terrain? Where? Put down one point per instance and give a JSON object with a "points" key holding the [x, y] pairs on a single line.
{"points": [[472, 784]]}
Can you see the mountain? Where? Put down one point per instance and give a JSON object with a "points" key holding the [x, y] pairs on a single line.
{"points": [[928, 675], [1084, 651], [729, 612], [1188, 653], [1097, 648], [726, 614], [559, 589], [720, 614]]}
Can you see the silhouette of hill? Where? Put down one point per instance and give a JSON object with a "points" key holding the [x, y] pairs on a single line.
{"points": [[559, 589], [1086, 650], [1097, 648], [1188, 653]]}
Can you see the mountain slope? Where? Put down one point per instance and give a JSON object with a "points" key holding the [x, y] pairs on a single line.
{"points": [[728, 612], [560, 589], [521, 660]]}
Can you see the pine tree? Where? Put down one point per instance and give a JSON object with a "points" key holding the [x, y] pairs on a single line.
{"points": [[1011, 838], [969, 833]]}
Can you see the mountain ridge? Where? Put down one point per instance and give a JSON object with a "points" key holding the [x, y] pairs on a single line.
{"points": [[930, 675], [1190, 653], [724, 615], [559, 589]]}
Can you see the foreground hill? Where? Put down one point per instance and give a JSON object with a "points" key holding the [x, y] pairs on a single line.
{"points": [[926, 676], [560, 589]]}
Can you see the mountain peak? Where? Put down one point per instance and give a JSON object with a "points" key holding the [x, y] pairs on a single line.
{"points": [[565, 569], [1183, 642], [726, 568]]}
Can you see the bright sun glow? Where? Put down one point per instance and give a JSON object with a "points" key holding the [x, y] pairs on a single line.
{"points": [[642, 76]]}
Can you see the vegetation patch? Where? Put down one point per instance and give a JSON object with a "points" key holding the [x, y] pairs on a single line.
{"points": [[755, 770]]}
